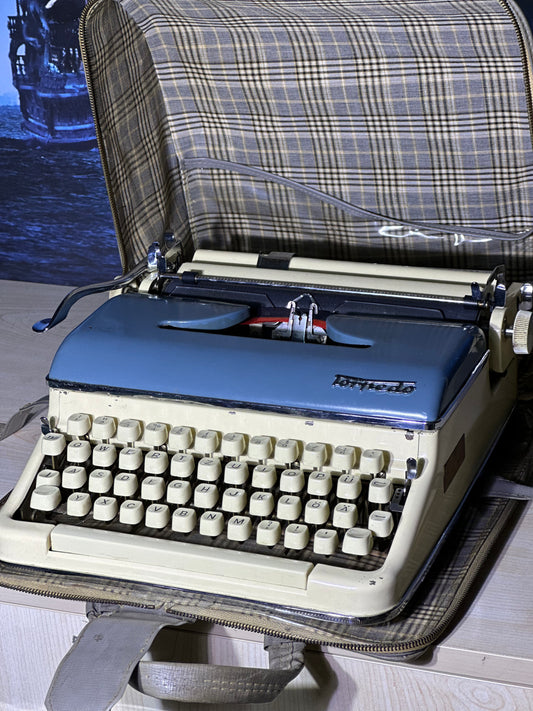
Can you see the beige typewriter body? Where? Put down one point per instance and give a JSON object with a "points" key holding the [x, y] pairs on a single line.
{"points": [[432, 467]]}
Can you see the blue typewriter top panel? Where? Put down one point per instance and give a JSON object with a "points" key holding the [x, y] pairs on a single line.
{"points": [[399, 370]]}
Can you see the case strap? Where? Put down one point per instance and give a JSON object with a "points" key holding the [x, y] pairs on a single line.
{"points": [[22, 417], [500, 488], [106, 656], [212, 684]]}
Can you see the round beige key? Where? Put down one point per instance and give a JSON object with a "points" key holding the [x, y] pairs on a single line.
{"points": [[179, 492], [182, 465], [156, 462], [289, 508], [357, 541], [180, 438], [344, 515], [50, 477], [184, 520], [239, 528], [261, 503], [155, 434], [325, 541], [79, 504], [343, 458], [381, 523], [104, 455], [315, 455], [296, 536], [53, 444], [78, 424], [157, 516], [45, 498], [316, 512], [264, 476], [319, 483], [125, 484], [348, 486], [130, 458], [129, 431], [74, 477], [260, 447], [79, 451], [268, 533], [234, 500], [380, 491], [205, 496], [233, 444], [206, 442], [105, 508], [104, 427], [211, 523], [236, 473], [286, 451], [131, 512], [372, 461], [209, 469], [100, 481], [291, 481], [153, 488]]}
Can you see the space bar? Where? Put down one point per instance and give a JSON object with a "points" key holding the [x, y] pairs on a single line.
{"points": [[176, 556]]}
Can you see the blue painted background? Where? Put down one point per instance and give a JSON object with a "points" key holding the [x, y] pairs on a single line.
{"points": [[55, 221]]}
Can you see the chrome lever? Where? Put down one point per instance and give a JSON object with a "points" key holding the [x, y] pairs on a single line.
{"points": [[70, 299]]}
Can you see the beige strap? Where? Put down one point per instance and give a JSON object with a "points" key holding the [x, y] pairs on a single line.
{"points": [[211, 684], [106, 656], [22, 417]]}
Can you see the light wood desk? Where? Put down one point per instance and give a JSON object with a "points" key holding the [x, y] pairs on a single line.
{"points": [[485, 661]]}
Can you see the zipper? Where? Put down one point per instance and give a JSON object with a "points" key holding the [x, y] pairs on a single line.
{"points": [[99, 139], [524, 54], [375, 649], [383, 650], [525, 57]]}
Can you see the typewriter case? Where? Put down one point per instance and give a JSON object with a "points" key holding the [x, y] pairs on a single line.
{"points": [[214, 118], [342, 131]]}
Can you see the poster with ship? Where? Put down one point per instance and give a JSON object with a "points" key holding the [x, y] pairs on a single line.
{"points": [[55, 219], [47, 70]]}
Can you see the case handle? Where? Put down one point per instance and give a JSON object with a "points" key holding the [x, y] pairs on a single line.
{"points": [[106, 656], [212, 684]]}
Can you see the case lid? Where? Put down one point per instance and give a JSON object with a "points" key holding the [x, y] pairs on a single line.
{"points": [[391, 132]]}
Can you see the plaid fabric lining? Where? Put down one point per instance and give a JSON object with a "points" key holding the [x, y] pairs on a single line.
{"points": [[415, 109]]}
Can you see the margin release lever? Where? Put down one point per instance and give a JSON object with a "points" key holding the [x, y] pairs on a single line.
{"points": [[155, 261]]}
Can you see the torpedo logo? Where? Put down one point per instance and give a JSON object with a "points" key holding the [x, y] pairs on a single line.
{"points": [[350, 382]]}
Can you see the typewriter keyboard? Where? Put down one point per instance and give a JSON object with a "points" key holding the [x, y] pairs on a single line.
{"points": [[313, 501]]}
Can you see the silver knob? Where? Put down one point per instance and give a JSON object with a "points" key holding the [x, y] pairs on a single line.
{"points": [[523, 333]]}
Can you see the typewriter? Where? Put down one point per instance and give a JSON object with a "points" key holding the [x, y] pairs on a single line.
{"points": [[279, 429]]}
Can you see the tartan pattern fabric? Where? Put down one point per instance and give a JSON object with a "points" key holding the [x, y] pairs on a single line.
{"points": [[415, 109]]}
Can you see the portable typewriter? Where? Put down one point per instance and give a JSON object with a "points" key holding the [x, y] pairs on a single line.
{"points": [[268, 427]]}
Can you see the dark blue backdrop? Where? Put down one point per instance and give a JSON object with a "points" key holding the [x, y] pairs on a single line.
{"points": [[55, 220]]}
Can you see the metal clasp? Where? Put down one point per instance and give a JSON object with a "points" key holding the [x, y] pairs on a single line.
{"points": [[498, 292], [301, 326]]}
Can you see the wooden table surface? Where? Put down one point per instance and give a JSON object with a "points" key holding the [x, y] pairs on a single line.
{"points": [[484, 662]]}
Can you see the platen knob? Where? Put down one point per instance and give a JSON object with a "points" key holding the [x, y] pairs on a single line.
{"points": [[523, 333]]}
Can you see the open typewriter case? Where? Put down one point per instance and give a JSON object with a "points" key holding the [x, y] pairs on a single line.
{"points": [[329, 130]]}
